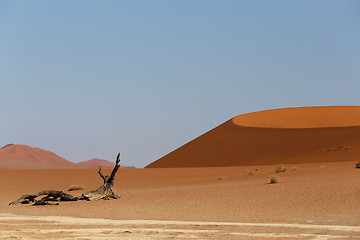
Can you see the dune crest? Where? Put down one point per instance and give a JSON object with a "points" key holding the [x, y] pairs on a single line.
{"points": [[302, 117]]}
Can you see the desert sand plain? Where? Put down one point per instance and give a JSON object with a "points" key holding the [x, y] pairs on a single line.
{"points": [[317, 197]]}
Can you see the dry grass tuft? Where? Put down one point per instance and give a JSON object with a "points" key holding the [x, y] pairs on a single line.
{"points": [[251, 172], [323, 167], [293, 168], [75, 187], [280, 168], [274, 179]]}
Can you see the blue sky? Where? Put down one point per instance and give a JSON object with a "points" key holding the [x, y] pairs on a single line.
{"points": [[87, 79]]}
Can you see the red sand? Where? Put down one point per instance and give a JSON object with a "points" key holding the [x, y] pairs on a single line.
{"points": [[16, 156], [294, 135], [311, 194]]}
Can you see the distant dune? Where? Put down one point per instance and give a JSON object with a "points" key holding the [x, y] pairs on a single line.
{"points": [[16, 156], [289, 135], [95, 163]]}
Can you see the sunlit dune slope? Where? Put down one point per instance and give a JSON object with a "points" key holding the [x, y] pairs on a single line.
{"points": [[292, 135], [16, 156], [305, 117]]}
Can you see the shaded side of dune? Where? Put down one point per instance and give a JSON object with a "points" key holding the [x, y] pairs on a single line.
{"points": [[233, 145]]}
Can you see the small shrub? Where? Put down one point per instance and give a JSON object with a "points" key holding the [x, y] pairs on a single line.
{"points": [[280, 168], [358, 164], [257, 169], [250, 172], [76, 187], [274, 179], [293, 168]]}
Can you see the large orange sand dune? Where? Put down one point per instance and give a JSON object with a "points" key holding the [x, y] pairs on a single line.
{"points": [[292, 135]]}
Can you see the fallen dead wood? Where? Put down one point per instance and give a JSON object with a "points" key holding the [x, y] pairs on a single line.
{"points": [[50, 195], [103, 192]]}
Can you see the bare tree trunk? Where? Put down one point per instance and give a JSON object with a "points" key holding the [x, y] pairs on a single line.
{"points": [[103, 192]]}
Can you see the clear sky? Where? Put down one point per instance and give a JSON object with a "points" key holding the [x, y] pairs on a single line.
{"points": [[87, 79]]}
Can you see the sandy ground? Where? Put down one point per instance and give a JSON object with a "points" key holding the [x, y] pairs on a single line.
{"points": [[49, 227], [312, 201]]}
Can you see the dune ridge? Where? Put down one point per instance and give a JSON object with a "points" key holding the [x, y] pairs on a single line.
{"points": [[302, 117], [280, 136]]}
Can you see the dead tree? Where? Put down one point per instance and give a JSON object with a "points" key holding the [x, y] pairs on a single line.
{"points": [[103, 192]]}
